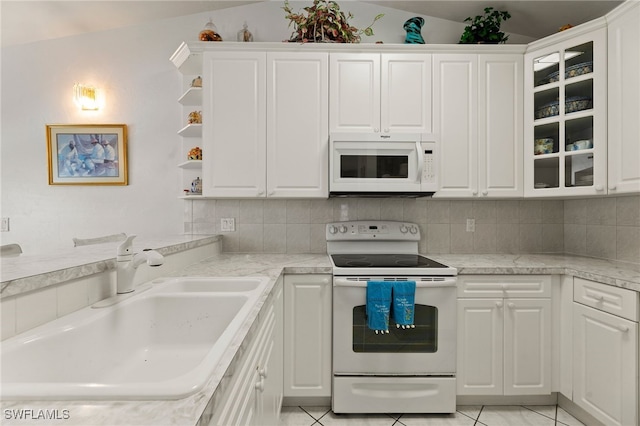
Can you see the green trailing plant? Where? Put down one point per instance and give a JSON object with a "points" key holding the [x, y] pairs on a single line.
{"points": [[485, 28], [324, 22]]}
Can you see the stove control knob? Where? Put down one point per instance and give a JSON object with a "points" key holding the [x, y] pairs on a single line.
{"points": [[333, 229], [343, 229], [413, 230], [403, 229]]}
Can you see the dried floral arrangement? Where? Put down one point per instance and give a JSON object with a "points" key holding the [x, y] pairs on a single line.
{"points": [[324, 23]]}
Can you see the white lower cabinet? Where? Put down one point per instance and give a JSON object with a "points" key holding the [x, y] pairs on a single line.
{"points": [[254, 393], [307, 341], [605, 352], [504, 335]]}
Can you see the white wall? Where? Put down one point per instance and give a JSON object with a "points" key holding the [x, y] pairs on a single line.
{"points": [[141, 87]]}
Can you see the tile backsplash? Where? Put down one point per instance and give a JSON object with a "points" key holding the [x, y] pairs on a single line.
{"points": [[598, 227]]}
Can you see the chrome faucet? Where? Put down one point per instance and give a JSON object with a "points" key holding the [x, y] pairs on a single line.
{"points": [[128, 263]]}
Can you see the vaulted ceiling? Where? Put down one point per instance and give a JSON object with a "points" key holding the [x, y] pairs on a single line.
{"points": [[29, 21]]}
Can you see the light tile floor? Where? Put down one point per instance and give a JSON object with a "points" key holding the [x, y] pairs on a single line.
{"points": [[467, 415]]}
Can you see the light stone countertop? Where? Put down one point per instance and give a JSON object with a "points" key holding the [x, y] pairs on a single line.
{"points": [[29, 272], [196, 409]]}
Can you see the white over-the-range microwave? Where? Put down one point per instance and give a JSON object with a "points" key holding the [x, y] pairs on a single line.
{"points": [[379, 165]]}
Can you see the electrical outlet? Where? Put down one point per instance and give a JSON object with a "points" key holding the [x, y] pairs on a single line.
{"points": [[4, 224], [471, 225], [228, 224]]}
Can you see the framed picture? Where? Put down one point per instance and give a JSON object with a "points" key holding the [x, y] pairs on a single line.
{"points": [[87, 154]]}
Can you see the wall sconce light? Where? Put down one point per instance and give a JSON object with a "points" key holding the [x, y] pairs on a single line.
{"points": [[85, 97]]}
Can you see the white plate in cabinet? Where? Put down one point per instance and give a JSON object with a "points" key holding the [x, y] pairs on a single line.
{"points": [[191, 131], [192, 97]]}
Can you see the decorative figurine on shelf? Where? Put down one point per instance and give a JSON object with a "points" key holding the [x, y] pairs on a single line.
{"points": [[413, 27], [209, 33], [196, 186], [196, 82], [195, 154], [195, 117], [244, 34]]}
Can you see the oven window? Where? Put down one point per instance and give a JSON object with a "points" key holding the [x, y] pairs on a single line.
{"points": [[374, 166], [421, 339]]}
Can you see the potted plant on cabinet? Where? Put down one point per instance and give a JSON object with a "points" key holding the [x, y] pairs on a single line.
{"points": [[324, 23], [485, 28]]}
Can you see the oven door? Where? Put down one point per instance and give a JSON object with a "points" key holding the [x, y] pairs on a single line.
{"points": [[427, 349], [366, 166]]}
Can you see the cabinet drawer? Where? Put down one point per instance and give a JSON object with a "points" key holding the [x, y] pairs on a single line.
{"points": [[614, 300], [492, 286]]}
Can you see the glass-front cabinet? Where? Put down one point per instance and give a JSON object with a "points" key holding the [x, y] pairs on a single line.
{"points": [[565, 114]]}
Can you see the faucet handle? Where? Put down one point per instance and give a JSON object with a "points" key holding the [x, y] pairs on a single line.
{"points": [[124, 249]]}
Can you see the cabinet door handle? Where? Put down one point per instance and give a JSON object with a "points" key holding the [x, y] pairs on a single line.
{"points": [[599, 188], [263, 372], [597, 297], [623, 328], [612, 187], [271, 193], [325, 281], [511, 305], [474, 192], [375, 129], [499, 304], [485, 192], [260, 192], [260, 385]]}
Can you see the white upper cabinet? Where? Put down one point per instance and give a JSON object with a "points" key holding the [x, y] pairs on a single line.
{"points": [[234, 124], [266, 128], [380, 93], [624, 99], [478, 120], [565, 143], [500, 130], [297, 124], [455, 92]]}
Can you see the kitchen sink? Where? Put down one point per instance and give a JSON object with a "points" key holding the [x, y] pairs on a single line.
{"points": [[163, 343]]}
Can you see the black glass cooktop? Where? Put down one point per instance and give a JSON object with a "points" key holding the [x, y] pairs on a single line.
{"points": [[384, 261]]}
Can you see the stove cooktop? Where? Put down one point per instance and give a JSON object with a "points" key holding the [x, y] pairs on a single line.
{"points": [[389, 261]]}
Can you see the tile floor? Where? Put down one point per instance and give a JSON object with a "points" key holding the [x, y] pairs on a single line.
{"points": [[468, 415]]}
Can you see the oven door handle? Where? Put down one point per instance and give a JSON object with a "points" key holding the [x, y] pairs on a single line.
{"points": [[447, 282]]}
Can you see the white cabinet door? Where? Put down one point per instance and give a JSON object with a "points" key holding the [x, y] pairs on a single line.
{"points": [[355, 92], [307, 339], [297, 124], [500, 132], [527, 346], [480, 347], [405, 93], [271, 369], [455, 120], [234, 124], [605, 372], [624, 99], [565, 141]]}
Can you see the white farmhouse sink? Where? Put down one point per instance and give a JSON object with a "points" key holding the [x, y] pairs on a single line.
{"points": [[163, 343]]}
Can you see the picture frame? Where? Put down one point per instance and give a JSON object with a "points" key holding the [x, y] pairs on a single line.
{"points": [[87, 154]]}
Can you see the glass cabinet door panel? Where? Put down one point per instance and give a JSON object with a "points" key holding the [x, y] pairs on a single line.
{"points": [[545, 104], [546, 173], [578, 60], [546, 69], [578, 96], [546, 139], [578, 170], [579, 134]]}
